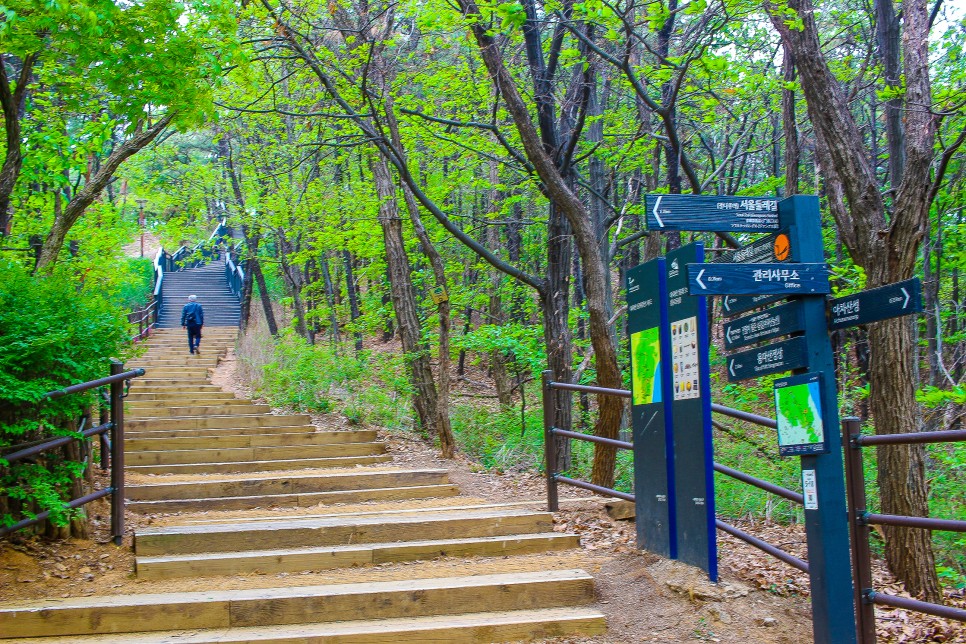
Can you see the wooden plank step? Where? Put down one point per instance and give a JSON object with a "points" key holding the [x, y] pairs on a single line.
{"points": [[136, 412], [286, 485], [302, 500], [470, 628], [258, 453], [217, 421], [332, 530], [299, 605], [187, 400], [138, 443], [175, 396], [243, 467], [331, 557], [227, 431]]}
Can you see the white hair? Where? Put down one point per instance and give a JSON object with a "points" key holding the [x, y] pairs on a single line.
{"points": [[192, 298]]}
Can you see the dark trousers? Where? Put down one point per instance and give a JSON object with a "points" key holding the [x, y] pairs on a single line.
{"points": [[194, 337]]}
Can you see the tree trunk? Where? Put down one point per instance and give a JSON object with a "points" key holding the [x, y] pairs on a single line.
{"points": [[293, 279], [256, 268], [86, 195], [887, 248], [404, 299], [12, 102], [793, 150], [352, 290]]}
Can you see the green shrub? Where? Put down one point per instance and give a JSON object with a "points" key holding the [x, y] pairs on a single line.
{"points": [[52, 334]]}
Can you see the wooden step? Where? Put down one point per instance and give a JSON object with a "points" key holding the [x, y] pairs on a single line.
{"points": [[137, 412], [226, 431], [331, 530], [216, 422], [273, 439], [302, 499], [234, 487], [241, 454], [242, 467], [169, 397], [300, 605], [330, 557], [188, 400], [470, 628]]}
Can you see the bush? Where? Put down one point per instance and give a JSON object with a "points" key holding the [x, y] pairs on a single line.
{"points": [[52, 334]]}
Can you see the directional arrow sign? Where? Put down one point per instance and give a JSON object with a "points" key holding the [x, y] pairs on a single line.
{"points": [[775, 247], [765, 325], [758, 279], [735, 304], [700, 212], [890, 301], [775, 358]]}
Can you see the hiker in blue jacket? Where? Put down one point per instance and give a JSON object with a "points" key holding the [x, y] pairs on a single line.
{"points": [[193, 318]]}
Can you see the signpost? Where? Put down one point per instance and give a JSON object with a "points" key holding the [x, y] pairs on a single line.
{"points": [[699, 212], [735, 304], [890, 301], [775, 247], [773, 358], [689, 410], [758, 279], [765, 325], [650, 378]]}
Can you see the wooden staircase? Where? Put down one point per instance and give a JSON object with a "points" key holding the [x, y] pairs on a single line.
{"points": [[242, 493]]}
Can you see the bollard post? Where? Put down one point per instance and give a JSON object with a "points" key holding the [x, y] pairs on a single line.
{"points": [[117, 454], [858, 531], [549, 443]]}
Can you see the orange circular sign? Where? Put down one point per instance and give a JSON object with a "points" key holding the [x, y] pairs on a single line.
{"points": [[783, 247]]}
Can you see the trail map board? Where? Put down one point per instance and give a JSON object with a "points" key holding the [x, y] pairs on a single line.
{"points": [[650, 374]]}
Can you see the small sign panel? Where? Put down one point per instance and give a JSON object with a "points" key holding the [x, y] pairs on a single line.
{"points": [[890, 301], [764, 325], [774, 358], [798, 407], [735, 304], [439, 295], [758, 279], [810, 489], [770, 248], [702, 212]]}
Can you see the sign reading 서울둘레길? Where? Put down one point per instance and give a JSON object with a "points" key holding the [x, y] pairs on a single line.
{"points": [[889, 301], [713, 213], [758, 279]]}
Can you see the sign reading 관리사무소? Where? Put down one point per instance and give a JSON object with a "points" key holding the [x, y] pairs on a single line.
{"points": [[758, 279]]}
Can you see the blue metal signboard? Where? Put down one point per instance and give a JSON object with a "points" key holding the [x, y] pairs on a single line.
{"points": [[650, 385], [889, 301], [774, 358], [764, 325], [703, 212], [775, 247], [689, 411], [758, 279], [735, 304]]}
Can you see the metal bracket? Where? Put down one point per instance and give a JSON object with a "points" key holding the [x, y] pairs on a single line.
{"points": [[868, 596], [862, 517]]}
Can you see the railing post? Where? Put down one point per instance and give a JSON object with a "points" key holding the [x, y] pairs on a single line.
{"points": [[117, 454], [104, 419], [549, 443], [858, 531]]}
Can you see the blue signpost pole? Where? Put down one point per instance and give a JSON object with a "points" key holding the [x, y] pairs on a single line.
{"points": [[826, 521]]}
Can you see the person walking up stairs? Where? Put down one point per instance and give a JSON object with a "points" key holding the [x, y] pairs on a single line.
{"points": [[301, 535]]}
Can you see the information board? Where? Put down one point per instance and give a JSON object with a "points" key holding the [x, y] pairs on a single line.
{"points": [[798, 407], [690, 416], [776, 247], [653, 455], [704, 212]]}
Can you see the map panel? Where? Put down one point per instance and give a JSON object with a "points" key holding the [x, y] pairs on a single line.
{"points": [[799, 412], [646, 366]]}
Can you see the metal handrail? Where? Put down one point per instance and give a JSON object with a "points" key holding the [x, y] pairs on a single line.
{"points": [[553, 478], [118, 381], [860, 519]]}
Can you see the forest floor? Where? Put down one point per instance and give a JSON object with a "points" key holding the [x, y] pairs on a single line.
{"points": [[645, 598]]}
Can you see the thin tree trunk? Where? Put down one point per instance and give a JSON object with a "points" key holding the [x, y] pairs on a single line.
{"points": [[352, 290], [404, 299], [256, 268], [793, 150]]}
